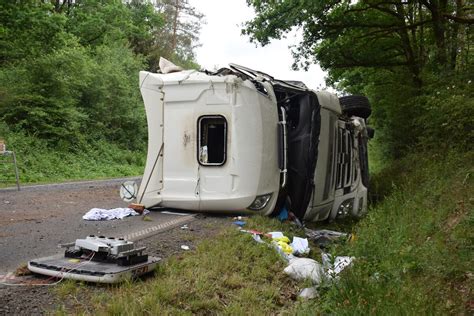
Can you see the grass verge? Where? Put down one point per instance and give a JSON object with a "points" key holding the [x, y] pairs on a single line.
{"points": [[414, 256], [40, 163], [414, 249]]}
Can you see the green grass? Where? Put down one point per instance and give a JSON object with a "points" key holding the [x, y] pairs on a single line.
{"points": [[230, 274], [40, 163], [414, 256], [415, 248]]}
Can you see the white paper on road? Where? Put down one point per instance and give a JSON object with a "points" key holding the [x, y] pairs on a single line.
{"points": [[100, 214]]}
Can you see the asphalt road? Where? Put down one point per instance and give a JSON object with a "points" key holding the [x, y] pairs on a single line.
{"points": [[36, 219]]}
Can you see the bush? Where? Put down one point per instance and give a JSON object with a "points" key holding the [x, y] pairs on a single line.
{"points": [[447, 116]]}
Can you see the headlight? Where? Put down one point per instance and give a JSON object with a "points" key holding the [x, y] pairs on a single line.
{"points": [[345, 208], [260, 202]]}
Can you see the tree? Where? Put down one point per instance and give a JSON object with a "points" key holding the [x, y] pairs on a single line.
{"points": [[396, 52], [370, 34], [180, 32], [69, 69]]}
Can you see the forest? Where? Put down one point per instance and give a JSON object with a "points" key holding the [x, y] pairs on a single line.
{"points": [[413, 59], [69, 99]]}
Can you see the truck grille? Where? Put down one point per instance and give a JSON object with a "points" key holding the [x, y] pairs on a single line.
{"points": [[344, 168]]}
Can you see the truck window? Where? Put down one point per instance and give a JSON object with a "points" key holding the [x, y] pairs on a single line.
{"points": [[212, 145]]}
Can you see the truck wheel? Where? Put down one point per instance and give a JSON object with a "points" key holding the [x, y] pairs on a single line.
{"points": [[355, 105]]}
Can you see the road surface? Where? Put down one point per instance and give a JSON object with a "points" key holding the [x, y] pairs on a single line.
{"points": [[36, 219]]}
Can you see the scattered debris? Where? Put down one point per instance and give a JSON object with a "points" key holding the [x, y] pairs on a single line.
{"points": [[302, 269], [325, 237], [239, 223], [283, 244], [22, 270], [309, 293], [300, 246], [184, 247], [98, 214], [167, 66], [184, 227], [139, 208], [257, 238], [283, 216], [292, 217], [254, 232], [276, 234], [305, 268], [147, 218], [239, 218], [334, 267]]}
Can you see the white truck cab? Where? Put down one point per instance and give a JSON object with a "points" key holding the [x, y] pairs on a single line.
{"points": [[239, 141]]}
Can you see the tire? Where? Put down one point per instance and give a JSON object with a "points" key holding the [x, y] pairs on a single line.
{"points": [[355, 105]]}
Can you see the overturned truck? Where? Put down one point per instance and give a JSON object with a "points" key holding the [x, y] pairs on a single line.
{"points": [[240, 141]]}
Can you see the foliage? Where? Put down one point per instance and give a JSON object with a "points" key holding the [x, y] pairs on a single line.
{"points": [[41, 97], [112, 101], [394, 52], [93, 160], [69, 77]]}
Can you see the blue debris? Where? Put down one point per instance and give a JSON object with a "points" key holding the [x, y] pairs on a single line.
{"points": [[239, 223], [283, 216]]}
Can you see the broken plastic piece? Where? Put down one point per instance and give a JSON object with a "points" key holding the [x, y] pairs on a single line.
{"points": [[325, 237], [276, 234], [309, 293], [239, 223], [300, 246], [167, 67], [336, 267], [184, 247], [257, 238]]}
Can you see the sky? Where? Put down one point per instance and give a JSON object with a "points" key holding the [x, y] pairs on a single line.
{"points": [[222, 43]]}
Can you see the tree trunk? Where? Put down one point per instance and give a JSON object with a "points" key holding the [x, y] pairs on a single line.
{"points": [[439, 31], [459, 49], [407, 45], [175, 28]]}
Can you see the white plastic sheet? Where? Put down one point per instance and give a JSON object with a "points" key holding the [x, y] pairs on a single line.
{"points": [[276, 234], [300, 246], [309, 293], [301, 269], [336, 267], [99, 214]]}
